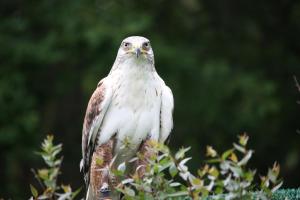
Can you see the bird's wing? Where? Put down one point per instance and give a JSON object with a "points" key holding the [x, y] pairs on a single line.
{"points": [[96, 109], [166, 113]]}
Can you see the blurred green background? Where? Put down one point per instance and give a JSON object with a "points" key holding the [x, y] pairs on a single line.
{"points": [[230, 65]]}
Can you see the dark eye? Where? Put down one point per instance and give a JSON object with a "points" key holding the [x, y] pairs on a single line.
{"points": [[126, 44], [146, 45]]}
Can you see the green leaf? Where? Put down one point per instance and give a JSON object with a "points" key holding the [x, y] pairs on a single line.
{"points": [[239, 148], [233, 157], [74, 194], [219, 190], [243, 139], [173, 170], [237, 171], [210, 152], [181, 153], [196, 182], [214, 172], [129, 192], [216, 160], [182, 163], [276, 187], [174, 184], [226, 154], [34, 192], [177, 194], [66, 188], [201, 172], [249, 175], [246, 158], [43, 173], [164, 163]]}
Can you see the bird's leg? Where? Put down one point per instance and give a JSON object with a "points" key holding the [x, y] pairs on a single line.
{"points": [[146, 153], [100, 172]]}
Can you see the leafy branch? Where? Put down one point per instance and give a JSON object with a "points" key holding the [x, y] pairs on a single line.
{"points": [[224, 176], [47, 177]]}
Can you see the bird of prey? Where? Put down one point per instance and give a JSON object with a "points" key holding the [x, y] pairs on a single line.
{"points": [[131, 105]]}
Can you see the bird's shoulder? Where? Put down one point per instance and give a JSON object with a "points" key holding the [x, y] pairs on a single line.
{"points": [[94, 105], [163, 85]]}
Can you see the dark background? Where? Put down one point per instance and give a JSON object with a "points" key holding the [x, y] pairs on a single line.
{"points": [[230, 65]]}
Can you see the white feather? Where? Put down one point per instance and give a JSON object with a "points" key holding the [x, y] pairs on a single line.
{"points": [[167, 105], [134, 111]]}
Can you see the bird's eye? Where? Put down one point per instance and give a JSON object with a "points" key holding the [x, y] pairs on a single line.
{"points": [[146, 45], [126, 44]]}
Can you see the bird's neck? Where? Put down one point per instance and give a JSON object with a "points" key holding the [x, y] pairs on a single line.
{"points": [[133, 68]]}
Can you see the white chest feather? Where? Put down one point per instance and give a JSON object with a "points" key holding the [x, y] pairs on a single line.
{"points": [[134, 113]]}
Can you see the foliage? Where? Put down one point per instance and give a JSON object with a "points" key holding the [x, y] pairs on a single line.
{"points": [[224, 176], [287, 194], [47, 177]]}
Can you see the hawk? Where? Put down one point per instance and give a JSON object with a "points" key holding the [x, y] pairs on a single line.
{"points": [[131, 105]]}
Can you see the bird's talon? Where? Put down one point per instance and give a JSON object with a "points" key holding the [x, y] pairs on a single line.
{"points": [[104, 190], [105, 198]]}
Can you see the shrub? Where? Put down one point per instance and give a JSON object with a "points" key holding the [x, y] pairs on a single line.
{"points": [[224, 176], [47, 177]]}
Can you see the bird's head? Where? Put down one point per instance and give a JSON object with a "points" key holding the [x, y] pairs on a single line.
{"points": [[136, 47]]}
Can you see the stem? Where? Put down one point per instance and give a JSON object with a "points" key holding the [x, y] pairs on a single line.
{"points": [[38, 179]]}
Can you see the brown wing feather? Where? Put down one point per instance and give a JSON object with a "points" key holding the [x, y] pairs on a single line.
{"points": [[93, 110]]}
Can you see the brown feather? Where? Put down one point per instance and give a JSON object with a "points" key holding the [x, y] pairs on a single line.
{"points": [[99, 173], [146, 152], [93, 110]]}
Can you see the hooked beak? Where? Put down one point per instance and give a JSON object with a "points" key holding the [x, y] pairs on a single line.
{"points": [[138, 52]]}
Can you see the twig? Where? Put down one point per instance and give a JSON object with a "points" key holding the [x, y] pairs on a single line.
{"points": [[38, 179]]}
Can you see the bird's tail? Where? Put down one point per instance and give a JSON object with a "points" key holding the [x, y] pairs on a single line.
{"points": [[89, 194]]}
